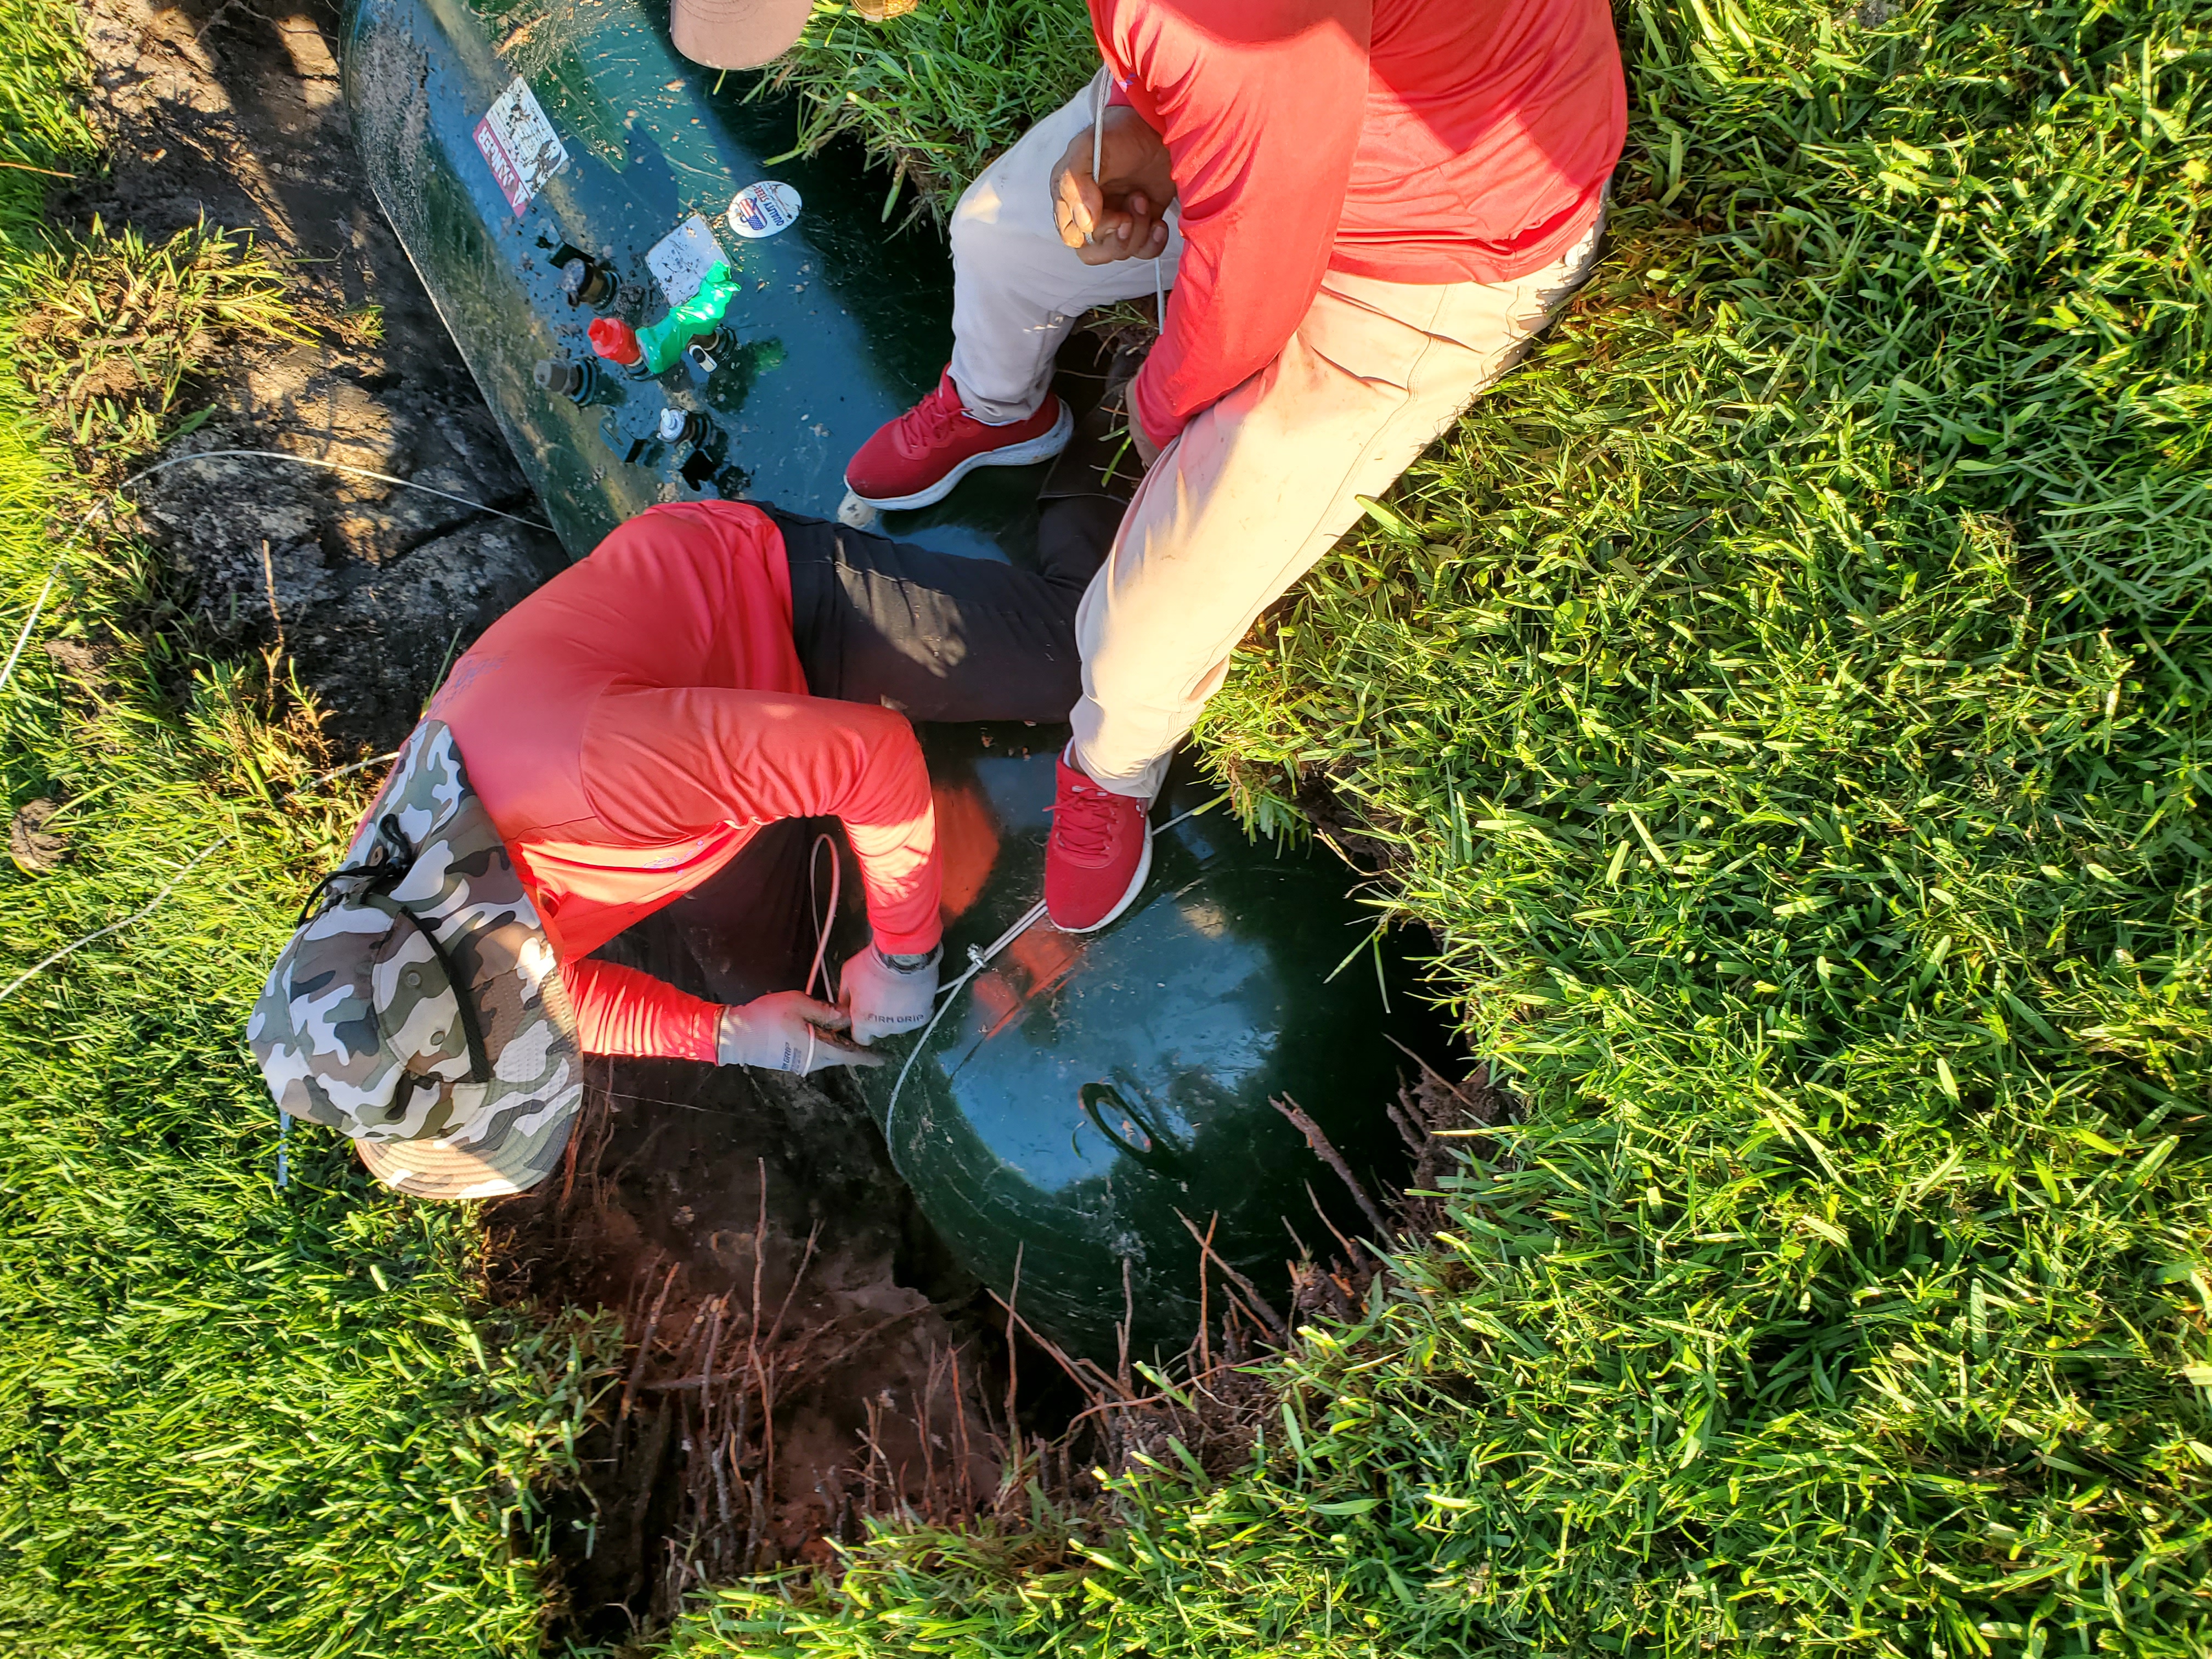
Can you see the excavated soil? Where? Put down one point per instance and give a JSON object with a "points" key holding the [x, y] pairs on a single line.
{"points": [[220, 111]]}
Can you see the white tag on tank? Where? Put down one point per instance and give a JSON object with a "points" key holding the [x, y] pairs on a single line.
{"points": [[763, 209], [520, 144], [680, 260]]}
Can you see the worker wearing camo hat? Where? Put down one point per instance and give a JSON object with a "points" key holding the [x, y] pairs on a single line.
{"points": [[713, 670]]}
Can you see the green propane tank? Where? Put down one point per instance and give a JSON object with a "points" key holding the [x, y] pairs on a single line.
{"points": [[655, 311], [1087, 1101], [550, 169]]}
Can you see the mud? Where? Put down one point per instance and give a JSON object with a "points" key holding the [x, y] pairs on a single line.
{"points": [[222, 111]]}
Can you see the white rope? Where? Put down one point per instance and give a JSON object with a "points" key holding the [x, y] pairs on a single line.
{"points": [[979, 959], [39, 604]]}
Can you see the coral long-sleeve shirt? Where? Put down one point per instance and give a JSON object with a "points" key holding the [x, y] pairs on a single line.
{"points": [[632, 724], [1413, 141]]}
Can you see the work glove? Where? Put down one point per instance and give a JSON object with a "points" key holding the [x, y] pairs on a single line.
{"points": [[786, 1032], [884, 996]]}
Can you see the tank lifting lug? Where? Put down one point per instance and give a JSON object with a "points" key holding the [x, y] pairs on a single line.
{"points": [[635, 450], [584, 281]]}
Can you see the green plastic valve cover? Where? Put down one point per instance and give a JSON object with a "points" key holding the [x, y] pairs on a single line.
{"points": [[699, 314], [1085, 1097]]}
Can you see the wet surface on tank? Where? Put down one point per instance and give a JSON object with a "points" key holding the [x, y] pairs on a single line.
{"points": [[1085, 1098], [546, 173]]}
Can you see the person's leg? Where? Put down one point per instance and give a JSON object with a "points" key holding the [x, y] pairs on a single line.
{"points": [[1259, 487], [1017, 289], [940, 637]]}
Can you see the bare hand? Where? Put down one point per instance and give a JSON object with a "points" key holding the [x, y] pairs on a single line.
{"points": [[1123, 214]]}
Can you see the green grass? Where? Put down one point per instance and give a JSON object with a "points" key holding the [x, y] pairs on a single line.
{"points": [[1787, 697], [936, 93], [234, 1420]]}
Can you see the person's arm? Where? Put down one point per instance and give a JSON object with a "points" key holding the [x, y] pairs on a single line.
{"points": [[663, 766], [621, 1011], [1260, 113]]}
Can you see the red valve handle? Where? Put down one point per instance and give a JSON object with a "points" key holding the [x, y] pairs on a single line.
{"points": [[615, 340]]}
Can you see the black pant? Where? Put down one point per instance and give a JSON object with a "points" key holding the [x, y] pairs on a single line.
{"points": [[939, 637]]}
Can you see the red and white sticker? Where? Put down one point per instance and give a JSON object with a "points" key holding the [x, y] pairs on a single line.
{"points": [[520, 145], [763, 209]]}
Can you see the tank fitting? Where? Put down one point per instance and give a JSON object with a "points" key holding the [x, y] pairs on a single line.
{"points": [[679, 426], [664, 342], [565, 376], [617, 341], [584, 281]]}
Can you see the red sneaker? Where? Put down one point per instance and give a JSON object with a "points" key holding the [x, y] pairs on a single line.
{"points": [[1098, 855], [917, 458]]}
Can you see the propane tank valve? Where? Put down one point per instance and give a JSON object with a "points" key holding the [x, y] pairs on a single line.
{"points": [[617, 341], [584, 281], [679, 426], [565, 376]]}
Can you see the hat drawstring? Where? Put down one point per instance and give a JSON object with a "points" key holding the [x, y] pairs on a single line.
{"points": [[389, 860]]}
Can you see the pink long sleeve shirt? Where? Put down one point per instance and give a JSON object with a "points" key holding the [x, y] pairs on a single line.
{"points": [[1412, 141], [633, 724]]}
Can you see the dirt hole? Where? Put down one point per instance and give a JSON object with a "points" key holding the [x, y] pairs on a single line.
{"points": [[805, 1352]]}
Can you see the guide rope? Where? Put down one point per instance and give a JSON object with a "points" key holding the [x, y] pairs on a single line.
{"points": [[981, 957], [39, 604]]}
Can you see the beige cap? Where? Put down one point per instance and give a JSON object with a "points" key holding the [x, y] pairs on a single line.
{"points": [[735, 33]]}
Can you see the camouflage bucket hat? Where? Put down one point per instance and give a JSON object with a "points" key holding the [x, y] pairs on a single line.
{"points": [[419, 1008]]}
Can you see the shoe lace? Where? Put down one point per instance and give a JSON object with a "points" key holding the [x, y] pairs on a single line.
{"points": [[1082, 823], [930, 422]]}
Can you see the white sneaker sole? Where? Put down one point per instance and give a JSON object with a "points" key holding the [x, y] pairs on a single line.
{"points": [[1136, 886], [1021, 454]]}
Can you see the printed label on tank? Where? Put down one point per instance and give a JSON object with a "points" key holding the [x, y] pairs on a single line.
{"points": [[680, 260], [519, 143], [763, 209]]}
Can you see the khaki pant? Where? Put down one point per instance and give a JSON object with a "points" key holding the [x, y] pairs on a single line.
{"points": [[1257, 488]]}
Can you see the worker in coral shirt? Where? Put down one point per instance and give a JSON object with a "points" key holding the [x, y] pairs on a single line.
{"points": [[711, 677], [1366, 210], [713, 668]]}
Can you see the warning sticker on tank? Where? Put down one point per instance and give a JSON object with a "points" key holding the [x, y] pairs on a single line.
{"points": [[520, 144], [763, 209], [680, 260]]}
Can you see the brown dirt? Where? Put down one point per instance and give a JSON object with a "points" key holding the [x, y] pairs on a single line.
{"points": [[220, 111]]}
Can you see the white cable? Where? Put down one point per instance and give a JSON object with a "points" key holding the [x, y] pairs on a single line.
{"points": [[39, 604], [330, 466], [823, 924], [29, 623], [1097, 161], [1098, 143], [149, 907], [980, 959], [138, 915]]}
